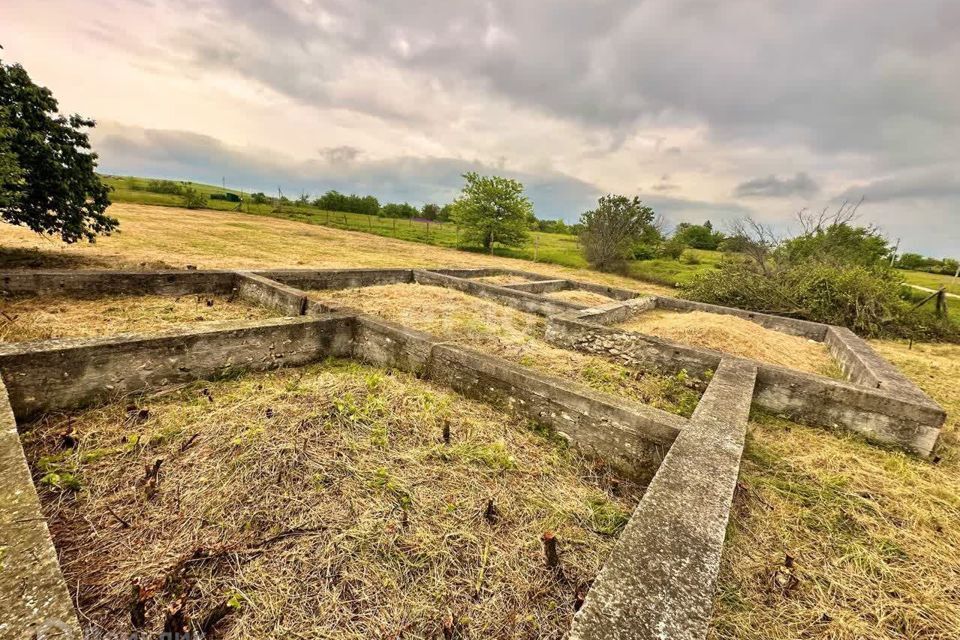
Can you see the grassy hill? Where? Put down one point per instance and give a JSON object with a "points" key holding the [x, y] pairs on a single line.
{"points": [[553, 248]]}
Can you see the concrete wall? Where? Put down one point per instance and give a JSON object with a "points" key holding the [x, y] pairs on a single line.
{"points": [[541, 287], [33, 595], [630, 436], [338, 278], [62, 374], [269, 293], [889, 416], [658, 583], [98, 283]]}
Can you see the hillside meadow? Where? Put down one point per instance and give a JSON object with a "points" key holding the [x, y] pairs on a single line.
{"points": [[831, 538]]}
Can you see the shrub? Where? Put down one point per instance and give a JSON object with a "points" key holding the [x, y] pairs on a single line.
{"points": [[193, 199], [163, 186], [643, 251], [689, 257], [672, 249]]}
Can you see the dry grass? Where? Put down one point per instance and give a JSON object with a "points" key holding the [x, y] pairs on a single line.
{"points": [[501, 280], [738, 337], [42, 318], [577, 296], [874, 533], [155, 237], [494, 329], [323, 503]]}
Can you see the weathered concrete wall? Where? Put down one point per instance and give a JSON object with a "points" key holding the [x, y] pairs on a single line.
{"points": [[873, 413], [541, 287], [865, 366], [792, 326], [387, 344], [629, 436], [911, 421], [521, 300], [61, 374], [659, 581], [263, 291], [33, 596], [99, 283], [338, 278]]}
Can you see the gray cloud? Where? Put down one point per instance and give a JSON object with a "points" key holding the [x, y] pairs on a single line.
{"points": [[773, 187], [776, 73], [936, 184]]}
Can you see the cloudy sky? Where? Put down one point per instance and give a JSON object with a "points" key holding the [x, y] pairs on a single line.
{"points": [[704, 109]]}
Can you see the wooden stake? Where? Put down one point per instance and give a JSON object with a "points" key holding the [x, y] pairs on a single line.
{"points": [[550, 551]]}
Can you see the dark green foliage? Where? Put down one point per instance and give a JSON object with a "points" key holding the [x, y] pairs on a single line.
{"points": [[47, 177], [698, 236], [837, 243], [917, 262], [430, 212], [492, 209], [336, 201], [193, 199], [160, 186], [612, 230], [395, 210], [672, 248], [259, 198], [227, 197], [554, 226], [837, 273]]}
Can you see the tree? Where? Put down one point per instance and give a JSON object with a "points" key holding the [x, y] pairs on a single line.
{"points": [[430, 211], [259, 198], [698, 236], [492, 209], [612, 229], [47, 177]]}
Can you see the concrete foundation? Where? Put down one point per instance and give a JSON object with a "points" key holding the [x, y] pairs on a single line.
{"points": [[659, 581]]}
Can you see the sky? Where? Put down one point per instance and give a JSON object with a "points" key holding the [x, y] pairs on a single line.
{"points": [[706, 110]]}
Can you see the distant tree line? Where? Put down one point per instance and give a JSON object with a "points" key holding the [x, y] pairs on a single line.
{"points": [[917, 262]]}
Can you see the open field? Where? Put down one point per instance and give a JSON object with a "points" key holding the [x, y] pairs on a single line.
{"points": [[23, 319], [497, 330], [545, 247], [870, 533], [166, 237], [737, 337], [323, 502], [931, 280]]}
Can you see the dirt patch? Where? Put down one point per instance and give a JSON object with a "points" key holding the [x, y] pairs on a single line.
{"points": [[322, 502], [586, 298], [45, 317], [494, 329], [738, 337]]}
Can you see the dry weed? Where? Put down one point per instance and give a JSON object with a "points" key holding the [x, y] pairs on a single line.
{"points": [[322, 502]]}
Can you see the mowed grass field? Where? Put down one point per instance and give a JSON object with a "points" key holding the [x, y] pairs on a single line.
{"points": [[831, 538], [554, 248]]}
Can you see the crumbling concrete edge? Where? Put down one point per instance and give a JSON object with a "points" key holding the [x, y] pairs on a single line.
{"points": [[878, 402], [34, 600], [659, 580]]}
